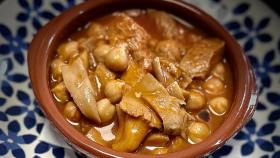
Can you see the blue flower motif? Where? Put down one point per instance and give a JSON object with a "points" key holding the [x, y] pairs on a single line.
{"points": [[6, 65], [39, 127], [44, 147], [223, 151], [29, 119], [264, 156], [250, 32], [260, 106], [240, 8], [276, 140], [264, 68], [15, 43], [274, 115], [3, 116], [274, 98], [252, 137], [60, 7], [276, 154], [33, 12], [11, 140]]}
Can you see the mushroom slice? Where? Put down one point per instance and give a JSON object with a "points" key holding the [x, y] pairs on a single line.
{"points": [[156, 139], [136, 106], [121, 118], [175, 119], [157, 70], [133, 74], [163, 76], [84, 57], [134, 132], [96, 136], [104, 74], [77, 82], [175, 90], [148, 97]]}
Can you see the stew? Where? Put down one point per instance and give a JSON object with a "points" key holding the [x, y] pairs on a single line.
{"points": [[142, 81]]}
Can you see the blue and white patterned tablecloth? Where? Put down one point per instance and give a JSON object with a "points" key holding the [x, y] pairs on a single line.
{"points": [[24, 131]]}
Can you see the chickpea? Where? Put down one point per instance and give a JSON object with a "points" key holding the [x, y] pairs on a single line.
{"points": [[72, 112], [60, 93], [85, 125], [101, 51], [89, 44], [186, 93], [177, 143], [117, 59], [114, 90], [68, 50], [219, 71], [106, 110], [97, 31], [218, 105], [100, 42], [56, 69], [196, 100], [214, 86], [83, 44], [198, 132]]}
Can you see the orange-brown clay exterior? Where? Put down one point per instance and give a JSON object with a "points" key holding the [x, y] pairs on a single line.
{"points": [[45, 42]]}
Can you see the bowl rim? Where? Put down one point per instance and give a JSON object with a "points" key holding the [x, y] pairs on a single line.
{"points": [[38, 67]]}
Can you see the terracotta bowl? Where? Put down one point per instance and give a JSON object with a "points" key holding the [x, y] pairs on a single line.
{"points": [[46, 41]]}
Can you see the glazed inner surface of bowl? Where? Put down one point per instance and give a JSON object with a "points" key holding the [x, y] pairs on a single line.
{"points": [[80, 15]]}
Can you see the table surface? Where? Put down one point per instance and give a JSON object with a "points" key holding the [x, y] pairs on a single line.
{"points": [[25, 132]]}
